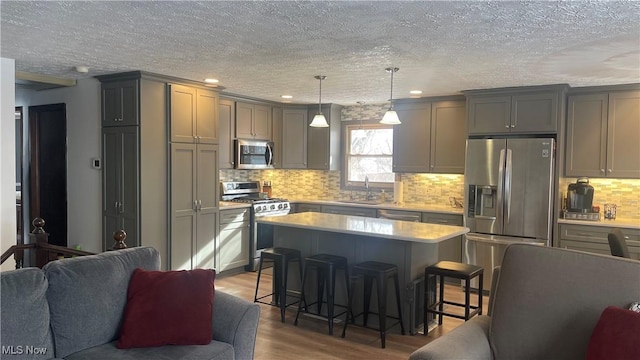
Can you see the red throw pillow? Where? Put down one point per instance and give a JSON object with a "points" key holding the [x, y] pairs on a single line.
{"points": [[168, 308], [616, 336]]}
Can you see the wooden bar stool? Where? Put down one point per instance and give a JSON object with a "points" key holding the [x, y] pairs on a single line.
{"points": [[454, 270], [281, 257], [379, 272], [326, 266]]}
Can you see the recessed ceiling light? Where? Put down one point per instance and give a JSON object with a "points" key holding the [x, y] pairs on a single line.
{"points": [[211, 81], [287, 96], [415, 92]]}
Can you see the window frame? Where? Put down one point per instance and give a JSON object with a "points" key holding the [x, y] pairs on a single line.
{"points": [[358, 185]]}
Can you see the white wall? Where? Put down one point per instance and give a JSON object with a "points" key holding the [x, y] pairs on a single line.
{"points": [[84, 187], [7, 159]]}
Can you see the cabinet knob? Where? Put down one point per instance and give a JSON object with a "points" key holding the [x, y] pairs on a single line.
{"points": [[513, 126], [602, 171], [506, 126], [610, 170]]}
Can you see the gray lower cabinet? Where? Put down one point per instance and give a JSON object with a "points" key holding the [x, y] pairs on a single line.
{"points": [[194, 206], [121, 178], [301, 207], [603, 135], [593, 239], [349, 210], [449, 250], [294, 138], [234, 236]]}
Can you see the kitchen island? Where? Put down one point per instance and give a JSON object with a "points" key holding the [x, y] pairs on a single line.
{"points": [[410, 245]]}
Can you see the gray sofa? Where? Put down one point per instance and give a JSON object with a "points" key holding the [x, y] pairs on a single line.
{"points": [[544, 305], [73, 308]]}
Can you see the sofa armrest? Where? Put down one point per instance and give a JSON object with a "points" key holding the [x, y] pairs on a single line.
{"points": [[469, 341], [235, 321]]}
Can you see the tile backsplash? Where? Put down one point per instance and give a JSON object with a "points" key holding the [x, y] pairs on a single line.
{"points": [[625, 193], [427, 189]]}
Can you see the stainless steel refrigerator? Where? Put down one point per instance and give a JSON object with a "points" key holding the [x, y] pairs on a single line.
{"points": [[508, 197]]}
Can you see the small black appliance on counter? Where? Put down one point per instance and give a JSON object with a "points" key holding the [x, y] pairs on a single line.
{"points": [[579, 205]]}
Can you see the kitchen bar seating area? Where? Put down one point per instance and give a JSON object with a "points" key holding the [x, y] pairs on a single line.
{"points": [[494, 216]]}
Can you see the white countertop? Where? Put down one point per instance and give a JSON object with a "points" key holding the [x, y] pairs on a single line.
{"points": [[618, 222], [442, 209], [374, 227], [232, 205]]}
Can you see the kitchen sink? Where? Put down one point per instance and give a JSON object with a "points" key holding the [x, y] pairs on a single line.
{"points": [[361, 202]]}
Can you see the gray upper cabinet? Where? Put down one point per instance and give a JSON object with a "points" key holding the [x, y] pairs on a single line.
{"points": [[323, 144], [207, 116], [623, 135], [194, 115], [511, 111], [226, 127], [277, 113], [431, 137], [448, 137], [411, 138], [120, 103], [586, 135], [603, 135], [294, 138], [253, 121], [489, 115]]}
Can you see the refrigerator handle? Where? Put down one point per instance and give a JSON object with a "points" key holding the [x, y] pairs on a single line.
{"points": [[507, 183], [500, 198]]}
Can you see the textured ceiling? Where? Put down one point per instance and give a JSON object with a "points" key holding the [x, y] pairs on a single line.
{"points": [[267, 49]]}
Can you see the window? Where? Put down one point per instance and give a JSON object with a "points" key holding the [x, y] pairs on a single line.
{"points": [[369, 153]]}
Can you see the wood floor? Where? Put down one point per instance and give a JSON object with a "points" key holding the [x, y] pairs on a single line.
{"points": [[311, 340]]}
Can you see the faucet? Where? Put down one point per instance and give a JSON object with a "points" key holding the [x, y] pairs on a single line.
{"points": [[366, 186]]}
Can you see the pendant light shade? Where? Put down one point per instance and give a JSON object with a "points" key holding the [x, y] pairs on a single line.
{"points": [[319, 120], [391, 117]]}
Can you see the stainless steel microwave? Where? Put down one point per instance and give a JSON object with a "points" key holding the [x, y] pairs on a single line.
{"points": [[253, 154]]}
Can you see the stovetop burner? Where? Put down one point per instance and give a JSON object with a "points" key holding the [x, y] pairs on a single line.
{"points": [[248, 192]]}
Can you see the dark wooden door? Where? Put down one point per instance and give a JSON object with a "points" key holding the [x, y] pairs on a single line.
{"points": [[48, 169]]}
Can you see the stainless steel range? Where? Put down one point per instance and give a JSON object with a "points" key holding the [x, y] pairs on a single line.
{"points": [[261, 235]]}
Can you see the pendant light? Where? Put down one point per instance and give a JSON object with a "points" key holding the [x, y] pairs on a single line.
{"points": [[319, 120], [391, 117]]}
